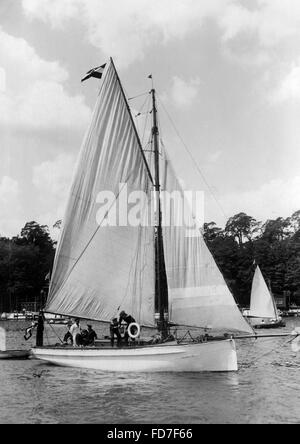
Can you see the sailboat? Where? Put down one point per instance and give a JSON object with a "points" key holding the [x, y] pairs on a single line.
{"points": [[263, 311], [159, 273]]}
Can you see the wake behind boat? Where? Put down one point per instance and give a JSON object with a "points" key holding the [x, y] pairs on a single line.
{"points": [[105, 265]]}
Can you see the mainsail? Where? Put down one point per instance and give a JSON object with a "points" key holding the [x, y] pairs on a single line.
{"points": [[101, 269], [198, 294], [262, 302]]}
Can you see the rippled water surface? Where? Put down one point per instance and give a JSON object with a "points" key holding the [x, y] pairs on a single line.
{"points": [[265, 390]]}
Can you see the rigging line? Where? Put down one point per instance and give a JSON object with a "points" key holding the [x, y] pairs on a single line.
{"points": [[56, 334], [161, 132], [194, 161], [143, 106], [140, 113], [146, 121], [140, 95]]}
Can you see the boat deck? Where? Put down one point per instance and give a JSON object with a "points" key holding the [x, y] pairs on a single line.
{"points": [[106, 344]]}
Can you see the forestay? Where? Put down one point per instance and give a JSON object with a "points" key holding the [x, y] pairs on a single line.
{"points": [[262, 303], [198, 294], [102, 269]]}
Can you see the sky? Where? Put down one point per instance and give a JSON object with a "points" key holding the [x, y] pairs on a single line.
{"points": [[227, 74]]}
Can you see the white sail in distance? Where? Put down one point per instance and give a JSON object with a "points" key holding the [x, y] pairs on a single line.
{"points": [[262, 303], [100, 270], [198, 293]]}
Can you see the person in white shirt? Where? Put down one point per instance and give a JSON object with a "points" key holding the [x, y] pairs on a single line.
{"points": [[75, 331]]}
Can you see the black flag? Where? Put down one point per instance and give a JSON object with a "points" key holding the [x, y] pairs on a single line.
{"points": [[96, 72]]}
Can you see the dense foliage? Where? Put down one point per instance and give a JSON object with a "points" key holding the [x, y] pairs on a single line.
{"points": [[25, 260], [274, 246]]}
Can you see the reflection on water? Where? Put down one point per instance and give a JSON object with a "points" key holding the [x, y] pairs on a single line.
{"points": [[265, 390]]}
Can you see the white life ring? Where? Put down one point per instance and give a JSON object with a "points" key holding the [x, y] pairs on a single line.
{"points": [[137, 333]]}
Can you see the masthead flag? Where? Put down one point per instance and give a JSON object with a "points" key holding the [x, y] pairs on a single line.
{"points": [[96, 72]]}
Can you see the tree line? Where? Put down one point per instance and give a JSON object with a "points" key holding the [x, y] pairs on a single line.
{"points": [[27, 259], [273, 245], [25, 262]]}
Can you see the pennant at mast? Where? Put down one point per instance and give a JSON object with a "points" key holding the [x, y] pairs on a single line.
{"points": [[95, 72]]}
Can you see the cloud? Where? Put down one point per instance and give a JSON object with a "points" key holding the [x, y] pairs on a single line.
{"points": [[184, 93], [271, 20], [214, 157], [10, 206], [32, 93], [125, 29], [9, 190], [22, 63], [52, 181], [2, 80], [277, 198], [56, 12], [267, 33], [289, 89], [237, 19]]}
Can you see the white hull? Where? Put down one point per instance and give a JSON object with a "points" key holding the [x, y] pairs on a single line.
{"points": [[214, 356]]}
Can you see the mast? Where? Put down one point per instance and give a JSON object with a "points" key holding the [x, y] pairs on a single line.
{"points": [[273, 300], [161, 296]]}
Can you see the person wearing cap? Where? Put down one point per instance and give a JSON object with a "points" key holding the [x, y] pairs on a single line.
{"points": [[127, 320], [115, 331]]}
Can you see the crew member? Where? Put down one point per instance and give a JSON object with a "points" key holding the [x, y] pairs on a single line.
{"points": [[68, 336], [127, 320], [91, 336], [115, 331], [75, 331]]}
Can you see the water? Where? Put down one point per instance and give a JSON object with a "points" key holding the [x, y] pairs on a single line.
{"points": [[265, 390]]}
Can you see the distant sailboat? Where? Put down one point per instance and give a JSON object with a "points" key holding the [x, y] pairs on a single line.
{"points": [[263, 311], [101, 270]]}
